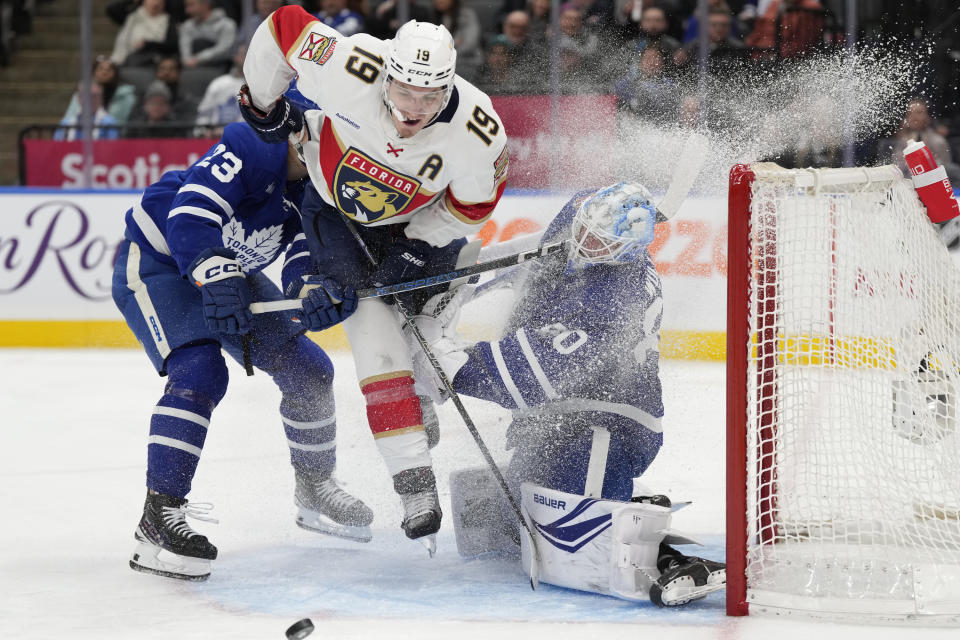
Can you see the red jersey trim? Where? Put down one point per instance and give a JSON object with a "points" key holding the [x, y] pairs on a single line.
{"points": [[474, 213], [289, 26]]}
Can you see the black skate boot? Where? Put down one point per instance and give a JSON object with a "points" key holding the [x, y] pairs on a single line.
{"points": [[421, 506], [166, 545], [326, 508], [684, 579]]}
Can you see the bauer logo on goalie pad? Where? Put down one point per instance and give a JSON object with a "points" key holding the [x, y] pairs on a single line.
{"points": [[570, 532]]}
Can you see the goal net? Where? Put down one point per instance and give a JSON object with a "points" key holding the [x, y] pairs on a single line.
{"points": [[843, 373]]}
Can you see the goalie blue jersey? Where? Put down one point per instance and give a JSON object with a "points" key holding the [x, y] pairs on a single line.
{"points": [[235, 196], [579, 341]]}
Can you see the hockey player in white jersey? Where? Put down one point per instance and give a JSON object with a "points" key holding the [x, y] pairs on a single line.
{"points": [[578, 363], [405, 159]]}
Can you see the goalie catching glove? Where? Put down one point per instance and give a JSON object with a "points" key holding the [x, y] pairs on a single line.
{"points": [[224, 290], [274, 125], [325, 302]]}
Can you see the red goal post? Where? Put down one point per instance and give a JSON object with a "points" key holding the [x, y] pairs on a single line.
{"points": [[843, 373]]}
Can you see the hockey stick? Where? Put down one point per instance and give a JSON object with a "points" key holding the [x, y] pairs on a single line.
{"points": [[429, 281], [692, 157], [533, 571]]}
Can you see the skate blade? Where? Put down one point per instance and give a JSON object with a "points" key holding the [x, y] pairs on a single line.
{"points": [[684, 590], [430, 542], [317, 523], [149, 558]]}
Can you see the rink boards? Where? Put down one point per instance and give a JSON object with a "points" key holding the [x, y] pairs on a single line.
{"points": [[57, 249]]}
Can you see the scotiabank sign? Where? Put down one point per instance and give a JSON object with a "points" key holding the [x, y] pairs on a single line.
{"points": [[564, 144], [117, 164]]}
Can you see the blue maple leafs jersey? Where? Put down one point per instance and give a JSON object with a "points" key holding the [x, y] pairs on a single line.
{"points": [[579, 341], [236, 196]]}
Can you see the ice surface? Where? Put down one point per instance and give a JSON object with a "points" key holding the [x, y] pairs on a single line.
{"points": [[73, 427]]}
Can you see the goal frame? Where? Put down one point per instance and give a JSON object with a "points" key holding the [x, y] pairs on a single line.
{"points": [[743, 256]]}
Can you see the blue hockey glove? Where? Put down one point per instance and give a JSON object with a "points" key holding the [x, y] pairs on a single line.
{"points": [[223, 287], [325, 302], [406, 260], [277, 124]]}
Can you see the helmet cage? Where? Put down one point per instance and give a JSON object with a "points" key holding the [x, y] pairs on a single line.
{"points": [[614, 225]]}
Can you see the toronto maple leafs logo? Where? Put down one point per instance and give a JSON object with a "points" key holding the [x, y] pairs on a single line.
{"points": [[253, 251]]}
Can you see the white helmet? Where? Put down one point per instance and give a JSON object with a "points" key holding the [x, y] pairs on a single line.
{"points": [[421, 54], [615, 224]]}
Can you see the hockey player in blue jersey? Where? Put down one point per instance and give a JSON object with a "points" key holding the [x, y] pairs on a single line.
{"points": [[190, 265], [578, 364]]}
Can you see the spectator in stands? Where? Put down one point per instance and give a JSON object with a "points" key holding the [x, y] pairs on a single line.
{"points": [[653, 29], [114, 99], [800, 23], [540, 18], [118, 10], [219, 104], [577, 52], [383, 22], [464, 25], [262, 9], [146, 33], [182, 99], [691, 29], [499, 74], [646, 90], [104, 124], [724, 51], [156, 115], [917, 125], [206, 38], [336, 14], [527, 62]]}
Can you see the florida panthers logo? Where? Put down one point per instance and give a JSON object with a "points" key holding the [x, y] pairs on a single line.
{"points": [[368, 191]]}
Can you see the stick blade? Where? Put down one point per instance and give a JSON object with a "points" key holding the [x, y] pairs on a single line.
{"points": [[688, 166]]}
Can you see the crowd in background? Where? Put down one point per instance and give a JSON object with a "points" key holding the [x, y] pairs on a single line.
{"points": [[176, 65]]}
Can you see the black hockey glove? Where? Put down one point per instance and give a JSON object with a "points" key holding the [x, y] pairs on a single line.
{"points": [[224, 290], [406, 260], [277, 124]]}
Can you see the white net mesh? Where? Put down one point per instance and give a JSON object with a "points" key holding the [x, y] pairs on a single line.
{"points": [[853, 453]]}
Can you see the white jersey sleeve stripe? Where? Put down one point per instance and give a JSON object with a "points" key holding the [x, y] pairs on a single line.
{"points": [[302, 254], [175, 444], [538, 371], [314, 424], [323, 446], [189, 416], [211, 194], [197, 211], [505, 375], [150, 230]]}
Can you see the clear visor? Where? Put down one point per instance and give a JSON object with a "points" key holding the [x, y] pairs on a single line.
{"points": [[414, 101]]}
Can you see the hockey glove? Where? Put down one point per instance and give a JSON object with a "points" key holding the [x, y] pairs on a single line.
{"points": [[406, 260], [275, 125], [325, 302], [224, 290]]}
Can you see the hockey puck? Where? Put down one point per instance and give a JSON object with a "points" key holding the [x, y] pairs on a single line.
{"points": [[300, 629]]}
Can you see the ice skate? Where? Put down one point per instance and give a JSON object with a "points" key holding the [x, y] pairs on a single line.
{"points": [[166, 545], [684, 579], [421, 506], [323, 507]]}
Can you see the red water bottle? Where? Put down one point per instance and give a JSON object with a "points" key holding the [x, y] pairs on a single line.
{"points": [[931, 182]]}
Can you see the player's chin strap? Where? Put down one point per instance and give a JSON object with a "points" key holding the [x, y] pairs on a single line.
{"points": [[534, 570]]}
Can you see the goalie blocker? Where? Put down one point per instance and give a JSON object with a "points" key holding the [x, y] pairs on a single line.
{"points": [[609, 547]]}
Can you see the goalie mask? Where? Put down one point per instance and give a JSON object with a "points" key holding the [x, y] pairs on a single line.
{"points": [[420, 72], [615, 224]]}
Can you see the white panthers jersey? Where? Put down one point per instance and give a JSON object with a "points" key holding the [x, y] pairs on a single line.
{"points": [[444, 181]]}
